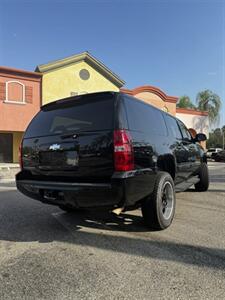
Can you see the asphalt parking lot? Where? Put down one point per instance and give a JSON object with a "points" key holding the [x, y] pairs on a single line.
{"points": [[48, 254]]}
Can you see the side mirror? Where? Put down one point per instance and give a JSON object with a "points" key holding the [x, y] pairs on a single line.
{"points": [[200, 137]]}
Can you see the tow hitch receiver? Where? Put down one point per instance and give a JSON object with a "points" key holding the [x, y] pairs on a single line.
{"points": [[52, 195]]}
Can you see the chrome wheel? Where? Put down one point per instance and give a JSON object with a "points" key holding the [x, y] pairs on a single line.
{"points": [[167, 202]]}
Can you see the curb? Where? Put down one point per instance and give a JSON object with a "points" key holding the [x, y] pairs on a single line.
{"points": [[12, 180]]}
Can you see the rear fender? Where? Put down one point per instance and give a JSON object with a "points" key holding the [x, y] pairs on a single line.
{"points": [[167, 163]]}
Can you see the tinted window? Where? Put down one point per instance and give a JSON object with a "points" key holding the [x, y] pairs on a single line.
{"points": [[143, 117], [173, 127], [84, 114], [122, 115], [184, 130]]}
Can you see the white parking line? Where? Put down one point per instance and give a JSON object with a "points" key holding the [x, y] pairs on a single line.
{"points": [[217, 166]]}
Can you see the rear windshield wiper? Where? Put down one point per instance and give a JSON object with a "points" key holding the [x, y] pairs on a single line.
{"points": [[69, 135], [75, 135]]}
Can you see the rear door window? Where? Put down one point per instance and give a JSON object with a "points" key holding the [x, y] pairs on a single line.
{"points": [[82, 114], [143, 117], [173, 127], [185, 133]]}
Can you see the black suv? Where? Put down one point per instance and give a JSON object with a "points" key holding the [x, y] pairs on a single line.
{"points": [[110, 150]]}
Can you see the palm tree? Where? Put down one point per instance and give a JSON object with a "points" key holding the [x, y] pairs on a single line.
{"points": [[185, 102], [210, 102]]}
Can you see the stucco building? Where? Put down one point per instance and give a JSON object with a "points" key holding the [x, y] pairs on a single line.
{"points": [[22, 93], [74, 75], [196, 120], [154, 96], [20, 96]]}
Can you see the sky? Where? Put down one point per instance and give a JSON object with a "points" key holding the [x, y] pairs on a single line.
{"points": [[175, 45]]}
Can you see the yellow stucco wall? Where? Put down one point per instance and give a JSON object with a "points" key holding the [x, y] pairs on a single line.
{"points": [[17, 137], [59, 83]]}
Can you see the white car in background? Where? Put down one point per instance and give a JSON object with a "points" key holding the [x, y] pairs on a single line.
{"points": [[212, 151]]}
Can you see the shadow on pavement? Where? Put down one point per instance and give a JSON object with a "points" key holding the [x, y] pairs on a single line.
{"points": [[23, 220]]}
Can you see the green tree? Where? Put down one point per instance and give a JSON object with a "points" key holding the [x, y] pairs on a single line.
{"points": [[223, 129], [216, 138], [210, 102], [185, 102]]}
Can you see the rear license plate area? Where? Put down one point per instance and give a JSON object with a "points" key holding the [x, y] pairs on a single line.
{"points": [[58, 159]]}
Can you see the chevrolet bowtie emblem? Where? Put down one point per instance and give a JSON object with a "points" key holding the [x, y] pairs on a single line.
{"points": [[54, 147]]}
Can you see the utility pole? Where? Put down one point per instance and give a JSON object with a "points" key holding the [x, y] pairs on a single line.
{"points": [[223, 135], [223, 138]]}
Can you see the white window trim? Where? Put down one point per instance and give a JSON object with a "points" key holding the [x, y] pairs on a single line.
{"points": [[7, 100]]}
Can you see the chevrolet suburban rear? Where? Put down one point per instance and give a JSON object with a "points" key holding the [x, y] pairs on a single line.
{"points": [[109, 150]]}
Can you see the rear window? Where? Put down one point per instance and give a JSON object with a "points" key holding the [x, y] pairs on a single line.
{"points": [[84, 113], [143, 117], [211, 150]]}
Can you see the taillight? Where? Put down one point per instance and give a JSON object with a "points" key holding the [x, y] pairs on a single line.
{"points": [[123, 151], [20, 155]]}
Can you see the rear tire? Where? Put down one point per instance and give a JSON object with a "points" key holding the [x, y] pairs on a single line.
{"points": [[203, 174], [158, 208]]}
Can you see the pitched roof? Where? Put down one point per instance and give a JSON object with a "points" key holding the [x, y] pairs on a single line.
{"points": [[89, 59], [19, 72]]}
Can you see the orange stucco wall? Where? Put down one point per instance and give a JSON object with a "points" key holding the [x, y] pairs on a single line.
{"points": [[158, 102], [16, 116], [155, 97]]}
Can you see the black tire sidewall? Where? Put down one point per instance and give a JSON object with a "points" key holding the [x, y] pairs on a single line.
{"points": [[151, 206], [203, 184], [162, 180]]}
